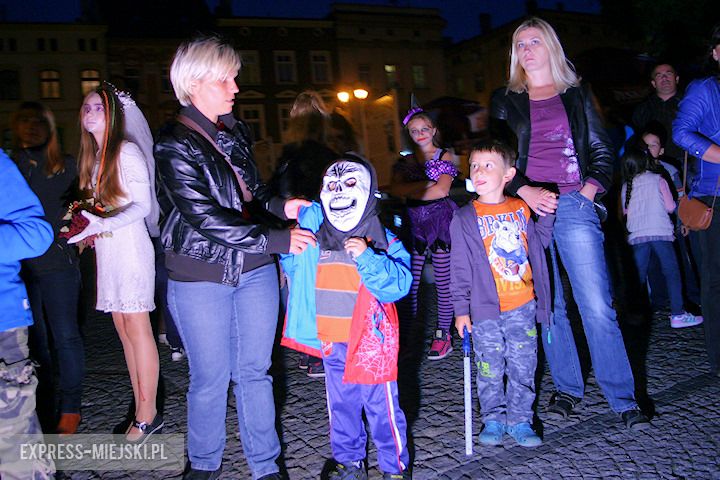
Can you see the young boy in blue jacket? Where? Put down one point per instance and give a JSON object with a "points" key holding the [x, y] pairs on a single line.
{"points": [[23, 234], [340, 307], [501, 286]]}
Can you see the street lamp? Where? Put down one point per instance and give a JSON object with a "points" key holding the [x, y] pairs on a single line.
{"points": [[360, 94]]}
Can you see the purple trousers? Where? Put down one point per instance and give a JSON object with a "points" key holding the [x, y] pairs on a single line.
{"points": [[346, 401]]}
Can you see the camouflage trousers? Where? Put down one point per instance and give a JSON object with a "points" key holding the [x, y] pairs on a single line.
{"points": [[18, 421], [506, 346]]}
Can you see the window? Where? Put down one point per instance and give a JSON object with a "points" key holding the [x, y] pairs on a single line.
{"points": [[418, 73], [132, 80], [2, 44], [459, 86], [254, 116], [479, 82], [53, 45], [41, 44], [12, 44], [284, 117], [89, 81], [364, 74], [285, 67], [320, 66], [391, 76], [9, 85], [49, 84], [250, 70], [165, 84], [93, 44], [81, 44]]}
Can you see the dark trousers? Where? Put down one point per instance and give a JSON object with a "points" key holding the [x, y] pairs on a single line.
{"points": [[54, 300], [710, 286]]}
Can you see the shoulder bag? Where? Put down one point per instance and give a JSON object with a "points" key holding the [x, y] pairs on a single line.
{"points": [[693, 213]]}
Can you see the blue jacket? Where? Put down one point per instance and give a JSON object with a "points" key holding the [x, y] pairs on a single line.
{"points": [[696, 127], [472, 283], [23, 234], [386, 275]]}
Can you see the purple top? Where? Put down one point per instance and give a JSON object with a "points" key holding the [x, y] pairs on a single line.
{"points": [[552, 157], [436, 167], [414, 171]]}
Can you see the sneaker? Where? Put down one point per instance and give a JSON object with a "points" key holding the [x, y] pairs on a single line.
{"points": [[405, 475], [348, 471], [524, 435], [685, 319], [562, 404], [492, 433], [304, 359], [177, 354], [315, 368], [441, 345], [635, 420], [272, 476], [162, 339]]}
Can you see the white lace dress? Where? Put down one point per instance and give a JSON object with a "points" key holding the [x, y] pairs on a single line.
{"points": [[126, 260]]}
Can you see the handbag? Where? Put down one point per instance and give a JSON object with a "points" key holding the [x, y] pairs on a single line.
{"points": [[693, 213]]}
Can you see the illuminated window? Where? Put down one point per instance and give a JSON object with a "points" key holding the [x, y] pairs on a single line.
{"points": [[49, 84], [391, 75], [89, 81]]}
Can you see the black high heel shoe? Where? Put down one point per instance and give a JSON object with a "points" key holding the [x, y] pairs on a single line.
{"points": [[147, 429]]}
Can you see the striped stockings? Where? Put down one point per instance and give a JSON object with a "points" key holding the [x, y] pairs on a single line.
{"points": [[409, 306]]}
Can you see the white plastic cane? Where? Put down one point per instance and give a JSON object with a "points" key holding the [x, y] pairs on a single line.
{"points": [[468, 392]]}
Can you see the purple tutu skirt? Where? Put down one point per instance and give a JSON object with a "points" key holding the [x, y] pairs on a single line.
{"points": [[430, 224]]}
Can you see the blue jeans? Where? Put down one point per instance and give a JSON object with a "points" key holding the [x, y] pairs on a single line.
{"points": [[578, 241], [228, 333], [664, 252], [54, 300]]}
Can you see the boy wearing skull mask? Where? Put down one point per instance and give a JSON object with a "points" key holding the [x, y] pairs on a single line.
{"points": [[341, 306]]}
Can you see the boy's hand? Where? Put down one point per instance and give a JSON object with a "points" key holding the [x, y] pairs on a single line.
{"points": [[355, 246], [462, 321]]}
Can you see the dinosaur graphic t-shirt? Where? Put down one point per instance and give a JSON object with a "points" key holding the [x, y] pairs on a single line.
{"points": [[503, 228]]}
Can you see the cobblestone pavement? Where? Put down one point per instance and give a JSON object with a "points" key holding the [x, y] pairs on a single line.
{"points": [[683, 443]]}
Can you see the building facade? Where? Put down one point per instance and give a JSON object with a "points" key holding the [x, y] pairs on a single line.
{"points": [[56, 64]]}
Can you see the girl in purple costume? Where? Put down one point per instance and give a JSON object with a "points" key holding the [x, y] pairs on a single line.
{"points": [[424, 180]]}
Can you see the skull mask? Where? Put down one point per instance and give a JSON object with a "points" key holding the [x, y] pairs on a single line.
{"points": [[344, 195]]}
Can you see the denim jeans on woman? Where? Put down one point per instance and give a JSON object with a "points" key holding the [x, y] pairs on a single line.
{"points": [[578, 242], [228, 333]]}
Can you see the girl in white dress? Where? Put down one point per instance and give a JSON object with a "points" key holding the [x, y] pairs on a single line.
{"points": [[117, 172]]}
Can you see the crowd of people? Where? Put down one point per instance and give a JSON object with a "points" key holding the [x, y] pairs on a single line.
{"points": [[201, 233]]}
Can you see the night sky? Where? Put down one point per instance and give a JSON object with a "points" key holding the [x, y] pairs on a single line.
{"points": [[461, 15]]}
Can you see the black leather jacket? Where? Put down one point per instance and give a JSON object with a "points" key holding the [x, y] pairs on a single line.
{"points": [[202, 202], [510, 122]]}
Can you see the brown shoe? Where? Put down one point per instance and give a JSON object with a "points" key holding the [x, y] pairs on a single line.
{"points": [[68, 423]]}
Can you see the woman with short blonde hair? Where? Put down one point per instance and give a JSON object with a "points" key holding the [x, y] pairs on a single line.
{"points": [[223, 281]]}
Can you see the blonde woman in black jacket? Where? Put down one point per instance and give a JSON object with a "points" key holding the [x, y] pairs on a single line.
{"points": [[219, 241]]}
